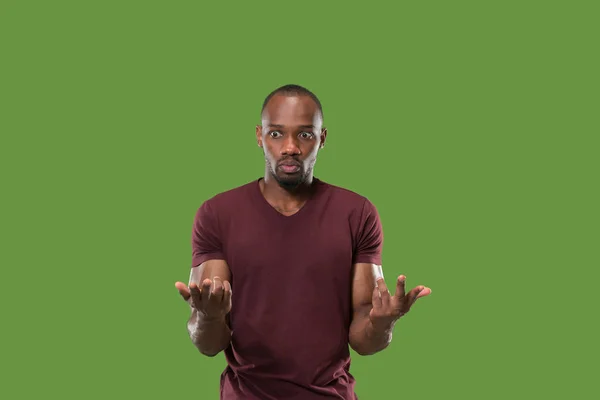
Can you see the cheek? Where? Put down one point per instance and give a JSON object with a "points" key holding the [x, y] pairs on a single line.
{"points": [[312, 150], [269, 151]]}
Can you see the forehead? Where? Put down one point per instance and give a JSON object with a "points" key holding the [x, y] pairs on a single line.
{"points": [[291, 110]]}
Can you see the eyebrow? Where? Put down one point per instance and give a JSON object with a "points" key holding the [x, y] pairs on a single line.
{"points": [[281, 126]]}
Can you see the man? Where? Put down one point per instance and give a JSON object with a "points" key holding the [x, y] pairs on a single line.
{"points": [[286, 270]]}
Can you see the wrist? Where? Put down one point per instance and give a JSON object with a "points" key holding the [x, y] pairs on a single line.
{"points": [[381, 329], [203, 319], [210, 320]]}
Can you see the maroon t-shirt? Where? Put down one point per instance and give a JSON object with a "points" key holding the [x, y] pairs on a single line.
{"points": [[291, 282]]}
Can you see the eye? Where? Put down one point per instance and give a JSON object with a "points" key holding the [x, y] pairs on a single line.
{"points": [[275, 134], [306, 135]]}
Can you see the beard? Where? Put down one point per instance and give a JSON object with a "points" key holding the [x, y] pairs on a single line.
{"points": [[288, 181]]}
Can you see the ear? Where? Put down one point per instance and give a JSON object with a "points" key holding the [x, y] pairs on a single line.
{"points": [[259, 135], [323, 137]]}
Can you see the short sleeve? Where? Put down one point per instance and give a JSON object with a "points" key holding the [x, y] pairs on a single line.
{"points": [[369, 240], [206, 241]]}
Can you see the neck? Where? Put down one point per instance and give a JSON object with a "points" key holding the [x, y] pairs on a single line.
{"points": [[283, 198]]}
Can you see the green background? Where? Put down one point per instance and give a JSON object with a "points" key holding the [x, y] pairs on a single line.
{"points": [[471, 125]]}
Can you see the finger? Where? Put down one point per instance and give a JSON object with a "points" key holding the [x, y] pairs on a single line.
{"points": [[206, 284], [385, 293], [183, 290], [376, 299], [413, 295], [196, 299], [226, 293], [400, 286], [426, 291], [217, 290]]}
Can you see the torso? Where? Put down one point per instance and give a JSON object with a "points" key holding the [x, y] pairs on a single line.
{"points": [[291, 304]]}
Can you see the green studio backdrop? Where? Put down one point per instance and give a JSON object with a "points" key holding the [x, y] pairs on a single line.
{"points": [[471, 125]]}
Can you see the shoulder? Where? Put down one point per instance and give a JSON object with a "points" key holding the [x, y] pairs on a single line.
{"points": [[360, 212], [229, 199], [347, 198]]}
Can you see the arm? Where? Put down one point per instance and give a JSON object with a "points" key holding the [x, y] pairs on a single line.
{"points": [[209, 296], [375, 310], [209, 291], [363, 338], [366, 270]]}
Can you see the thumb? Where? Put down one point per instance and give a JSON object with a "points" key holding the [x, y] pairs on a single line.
{"points": [[183, 290]]}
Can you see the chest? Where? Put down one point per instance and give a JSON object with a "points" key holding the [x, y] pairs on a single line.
{"points": [[317, 250]]}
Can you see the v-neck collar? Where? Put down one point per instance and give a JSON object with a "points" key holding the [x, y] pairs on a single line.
{"points": [[298, 214]]}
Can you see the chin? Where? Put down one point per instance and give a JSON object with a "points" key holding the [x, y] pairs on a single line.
{"points": [[290, 181]]}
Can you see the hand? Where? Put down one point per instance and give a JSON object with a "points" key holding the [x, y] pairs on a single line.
{"points": [[213, 298], [387, 309]]}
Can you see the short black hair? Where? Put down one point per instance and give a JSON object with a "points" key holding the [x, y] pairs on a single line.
{"points": [[292, 90]]}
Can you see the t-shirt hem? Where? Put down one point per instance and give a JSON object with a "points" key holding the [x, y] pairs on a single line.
{"points": [[368, 260], [197, 260]]}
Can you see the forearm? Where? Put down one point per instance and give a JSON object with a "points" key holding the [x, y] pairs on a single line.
{"points": [[365, 339], [209, 336]]}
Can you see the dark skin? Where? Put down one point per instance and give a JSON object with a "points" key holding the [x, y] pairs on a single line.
{"points": [[209, 296], [291, 135], [375, 309]]}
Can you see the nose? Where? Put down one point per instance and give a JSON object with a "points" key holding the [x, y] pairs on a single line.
{"points": [[290, 146]]}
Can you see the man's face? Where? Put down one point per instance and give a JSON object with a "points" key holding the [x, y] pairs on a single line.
{"points": [[291, 136]]}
